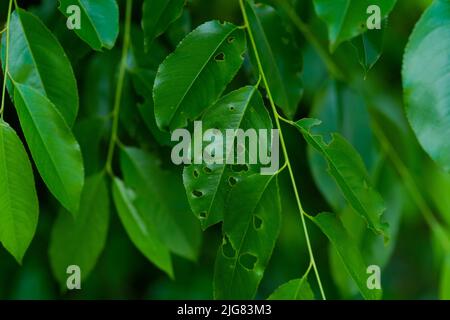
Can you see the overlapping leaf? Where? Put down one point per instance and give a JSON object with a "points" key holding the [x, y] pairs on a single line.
{"points": [[157, 15], [99, 21], [346, 19], [154, 186], [250, 231], [37, 60], [19, 206], [426, 82], [297, 289], [193, 77], [54, 149], [208, 186]]}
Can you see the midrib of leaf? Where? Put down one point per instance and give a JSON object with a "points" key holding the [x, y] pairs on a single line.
{"points": [[341, 24], [134, 212], [92, 22], [10, 202], [43, 141], [244, 236], [177, 107], [355, 198], [272, 58], [31, 53]]}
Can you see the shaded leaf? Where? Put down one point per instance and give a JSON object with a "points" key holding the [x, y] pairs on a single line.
{"points": [[297, 289], [155, 187], [80, 241], [54, 149], [196, 73], [444, 289], [347, 251], [19, 207], [157, 15], [426, 94], [281, 59], [141, 230]]}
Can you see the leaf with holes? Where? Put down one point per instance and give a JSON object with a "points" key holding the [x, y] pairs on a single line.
{"points": [[281, 59], [208, 187], [36, 59], [297, 289], [80, 241], [157, 15], [54, 149], [139, 227], [143, 172], [193, 77], [99, 21], [347, 19], [250, 230], [426, 93], [19, 208], [347, 250], [347, 168]]}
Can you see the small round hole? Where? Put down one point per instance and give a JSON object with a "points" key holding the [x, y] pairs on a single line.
{"points": [[232, 181], [220, 57], [197, 193], [196, 173], [207, 170]]}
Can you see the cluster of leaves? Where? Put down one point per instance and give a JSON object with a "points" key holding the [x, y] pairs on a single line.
{"points": [[105, 152]]}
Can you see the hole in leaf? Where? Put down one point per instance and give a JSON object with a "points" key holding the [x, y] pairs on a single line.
{"points": [[227, 248], [231, 39], [197, 193], [207, 170], [232, 181], [257, 222], [248, 261], [196, 173], [220, 57], [239, 167], [231, 108], [203, 215]]}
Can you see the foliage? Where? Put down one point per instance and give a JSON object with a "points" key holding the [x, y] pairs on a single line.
{"points": [[94, 108]]}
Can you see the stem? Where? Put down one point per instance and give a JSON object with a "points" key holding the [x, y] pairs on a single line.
{"points": [[402, 170], [5, 76], [119, 88], [283, 146]]}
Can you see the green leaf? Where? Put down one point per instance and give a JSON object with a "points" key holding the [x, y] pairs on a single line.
{"points": [[80, 241], [281, 59], [347, 19], [193, 77], [19, 208], [139, 227], [54, 149], [369, 47], [250, 231], [99, 21], [347, 251], [37, 60], [426, 97], [297, 289], [158, 15], [444, 290], [155, 187], [240, 109], [347, 168], [340, 110]]}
